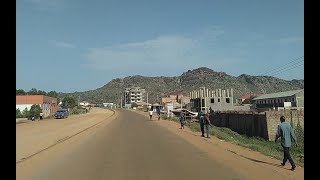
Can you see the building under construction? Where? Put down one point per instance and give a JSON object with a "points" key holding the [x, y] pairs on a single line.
{"points": [[218, 99]]}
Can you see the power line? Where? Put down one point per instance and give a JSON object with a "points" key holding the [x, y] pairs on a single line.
{"points": [[297, 64], [276, 69]]}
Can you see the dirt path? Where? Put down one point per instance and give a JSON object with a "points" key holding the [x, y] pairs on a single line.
{"points": [[249, 163], [34, 136]]}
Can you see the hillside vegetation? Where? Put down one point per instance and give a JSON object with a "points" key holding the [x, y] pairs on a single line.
{"points": [[157, 87]]}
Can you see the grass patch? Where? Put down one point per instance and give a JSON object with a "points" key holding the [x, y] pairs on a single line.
{"points": [[269, 148]]}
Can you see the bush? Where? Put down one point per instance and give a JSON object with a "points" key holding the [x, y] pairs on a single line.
{"points": [[18, 113], [79, 110], [34, 111]]}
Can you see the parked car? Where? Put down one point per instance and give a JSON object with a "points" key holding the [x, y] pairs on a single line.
{"points": [[61, 114]]}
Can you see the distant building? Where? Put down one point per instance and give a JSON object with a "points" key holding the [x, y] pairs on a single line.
{"points": [[218, 100], [177, 97], [133, 95], [84, 103], [280, 100], [46, 103], [109, 105], [248, 96]]}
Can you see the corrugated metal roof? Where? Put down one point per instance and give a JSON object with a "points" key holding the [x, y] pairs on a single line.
{"points": [[278, 94]]}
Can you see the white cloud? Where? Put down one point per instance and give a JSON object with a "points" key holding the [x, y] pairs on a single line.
{"points": [[172, 53], [163, 52], [64, 44]]}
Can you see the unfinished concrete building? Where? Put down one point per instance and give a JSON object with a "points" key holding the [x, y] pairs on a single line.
{"points": [[218, 99]]}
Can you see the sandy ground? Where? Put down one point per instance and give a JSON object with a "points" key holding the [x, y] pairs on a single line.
{"points": [[32, 137]]}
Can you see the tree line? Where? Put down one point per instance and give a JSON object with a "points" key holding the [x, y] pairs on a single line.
{"points": [[34, 91]]}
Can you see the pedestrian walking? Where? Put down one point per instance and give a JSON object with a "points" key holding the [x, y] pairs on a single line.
{"points": [[207, 124], [150, 113], [182, 119], [201, 122], [41, 115], [286, 133], [158, 112]]}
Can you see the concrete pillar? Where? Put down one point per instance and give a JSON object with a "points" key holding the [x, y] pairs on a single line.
{"points": [[207, 93], [219, 93], [231, 92], [228, 94]]}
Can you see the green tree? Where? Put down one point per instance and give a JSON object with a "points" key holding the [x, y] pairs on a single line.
{"points": [[33, 91], [52, 94], [68, 102], [35, 111], [25, 112], [20, 92], [41, 92], [299, 133], [18, 113]]}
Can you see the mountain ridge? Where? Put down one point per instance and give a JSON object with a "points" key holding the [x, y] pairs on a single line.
{"points": [[190, 80]]}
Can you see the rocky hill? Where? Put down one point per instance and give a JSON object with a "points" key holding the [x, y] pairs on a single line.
{"points": [[157, 87]]}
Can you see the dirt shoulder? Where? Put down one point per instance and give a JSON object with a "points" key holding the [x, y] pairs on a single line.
{"points": [[250, 163], [34, 136]]}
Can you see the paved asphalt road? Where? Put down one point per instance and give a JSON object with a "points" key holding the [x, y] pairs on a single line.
{"points": [[134, 148]]}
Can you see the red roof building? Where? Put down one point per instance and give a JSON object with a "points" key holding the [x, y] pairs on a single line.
{"points": [[46, 103]]}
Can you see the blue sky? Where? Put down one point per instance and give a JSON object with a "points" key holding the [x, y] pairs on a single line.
{"points": [[80, 45]]}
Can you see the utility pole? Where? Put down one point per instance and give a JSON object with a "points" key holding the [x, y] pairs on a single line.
{"points": [[147, 99], [121, 101]]}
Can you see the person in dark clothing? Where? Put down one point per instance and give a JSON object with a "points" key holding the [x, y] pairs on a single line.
{"points": [[207, 124], [210, 110], [182, 119], [286, 132], [201, 121], [158, 112]]}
